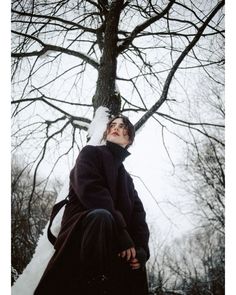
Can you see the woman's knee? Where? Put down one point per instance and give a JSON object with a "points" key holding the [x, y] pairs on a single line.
{"points": [[100, 214]]}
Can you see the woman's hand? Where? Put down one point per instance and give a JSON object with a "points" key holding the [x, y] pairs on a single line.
{"points": [[128, 253]]}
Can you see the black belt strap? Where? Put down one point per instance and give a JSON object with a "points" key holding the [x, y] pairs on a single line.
{"points": [[56, 208]]}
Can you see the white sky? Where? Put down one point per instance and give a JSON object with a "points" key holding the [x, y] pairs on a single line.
{"points": [[150, 162]]}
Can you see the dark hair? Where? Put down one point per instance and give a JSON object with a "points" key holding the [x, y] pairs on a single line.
{"points": [[128, 125]]}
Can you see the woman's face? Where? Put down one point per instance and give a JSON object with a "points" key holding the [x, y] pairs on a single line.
{"points": [[118, 133]]}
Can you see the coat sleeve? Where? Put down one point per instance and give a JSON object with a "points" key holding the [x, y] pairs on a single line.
{"points": [[139, 227], [89, 184]]}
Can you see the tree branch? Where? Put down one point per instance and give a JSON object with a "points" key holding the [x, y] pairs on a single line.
{"points": [[49, 17], [82, 119], [170, 76], [49, 47], [127, 41]]}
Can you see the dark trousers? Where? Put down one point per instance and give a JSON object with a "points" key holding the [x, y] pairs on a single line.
{"points": [[90, 265], [97, 248], [106, 272]]}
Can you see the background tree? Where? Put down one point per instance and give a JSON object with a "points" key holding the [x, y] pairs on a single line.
{"points": [[25, 228], [195, 262], [204, 166], [191, 264]]}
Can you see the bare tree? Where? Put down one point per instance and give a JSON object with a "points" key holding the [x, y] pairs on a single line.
{"points": [[25, 228], [204, 168], [69, 57], [208, 184], [195, 263], [192, 264]]}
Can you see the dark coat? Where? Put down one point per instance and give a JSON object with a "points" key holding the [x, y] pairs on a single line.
{"points": [[98, 180]]}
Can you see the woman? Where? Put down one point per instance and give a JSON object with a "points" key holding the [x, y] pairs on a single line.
{"points": [[102, 246]]}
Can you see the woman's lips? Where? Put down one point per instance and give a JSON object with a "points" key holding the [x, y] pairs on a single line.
{"points": [[115, 133]]}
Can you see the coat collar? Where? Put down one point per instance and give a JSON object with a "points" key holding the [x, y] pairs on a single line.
{"points": [[118, 151]]}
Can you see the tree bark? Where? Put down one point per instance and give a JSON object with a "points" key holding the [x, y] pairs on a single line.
{"points": [[106, 94]]}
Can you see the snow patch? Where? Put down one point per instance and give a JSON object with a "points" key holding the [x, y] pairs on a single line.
{"points": [[29, 279], [81, 123], [98, 126]]}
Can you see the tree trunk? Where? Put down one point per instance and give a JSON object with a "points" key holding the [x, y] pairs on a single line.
{"points": [[106, 94]]}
